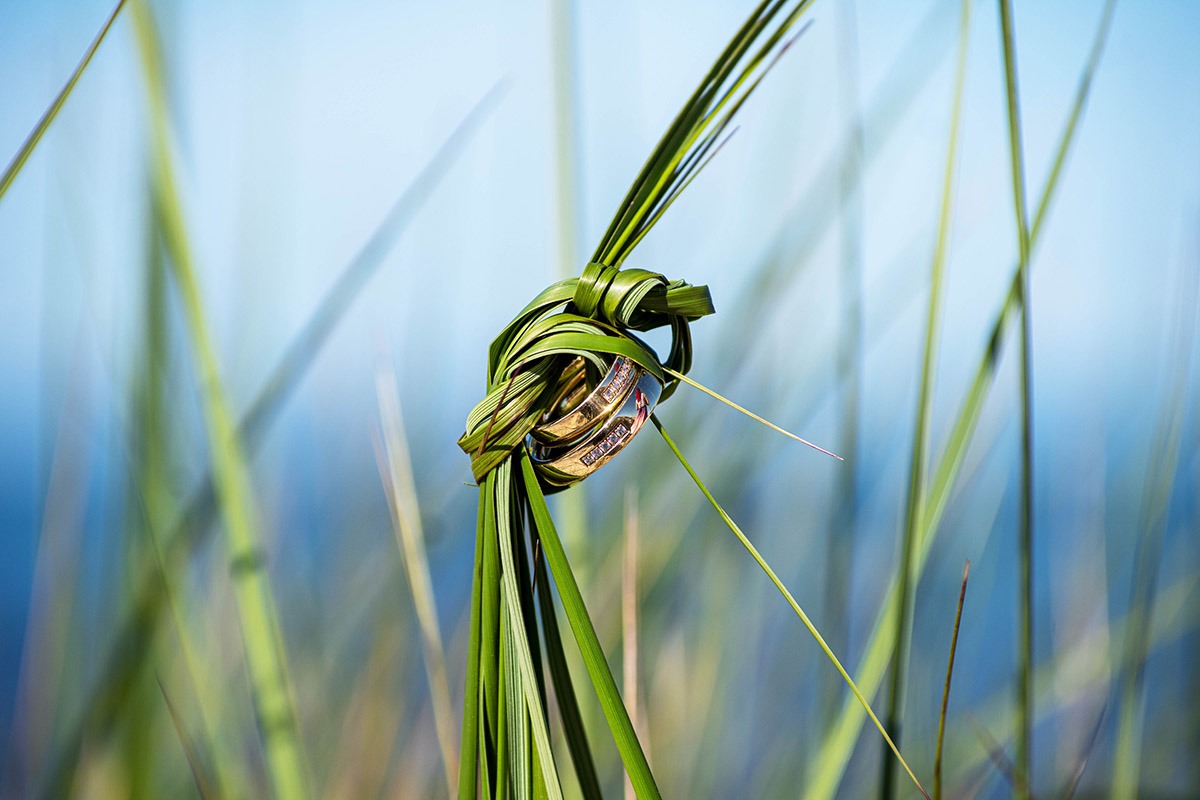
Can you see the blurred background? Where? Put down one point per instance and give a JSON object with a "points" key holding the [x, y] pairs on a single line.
{"points": [[295, 127]]}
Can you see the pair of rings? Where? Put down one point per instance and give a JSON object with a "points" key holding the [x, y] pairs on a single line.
{"points": [[587, 425]]}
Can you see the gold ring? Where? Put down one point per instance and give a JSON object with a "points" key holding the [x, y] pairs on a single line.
{"points": [[576, 417], [563, 465]]}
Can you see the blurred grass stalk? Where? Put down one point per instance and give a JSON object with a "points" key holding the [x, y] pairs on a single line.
{"points": [[266, 658], [124, 659], [395, 468], [1024, 699], [1156, 499], [917, 475], [837, 747]]}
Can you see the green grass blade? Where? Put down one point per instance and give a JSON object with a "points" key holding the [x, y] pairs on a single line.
{"points": [[564, 692], [835, 751], [31, 141], [914, 510], [265, 656], [787, 595], [122, 664], [747, 412], [472, 730], [941, 735], [519, 634], [614, 709], [1024, 761]]}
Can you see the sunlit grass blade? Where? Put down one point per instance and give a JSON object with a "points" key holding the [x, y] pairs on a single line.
{"points": [[266, 659], [472, 730], [123, 660], [836, 749], [747, 412], [941, 735], [520, 635], [564, 692], [31, 141], [1024, 698], [396, 471], [917, 466], [589, 644], [787, 595]]}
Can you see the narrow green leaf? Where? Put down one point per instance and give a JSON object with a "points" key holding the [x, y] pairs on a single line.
{"points": [[502, 483], [917, 475], [589, 644], [787, 595], [31, 141], [837, 746]]}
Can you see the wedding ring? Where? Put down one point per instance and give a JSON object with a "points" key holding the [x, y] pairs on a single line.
{"points": [[572, 414], [563, 465]]}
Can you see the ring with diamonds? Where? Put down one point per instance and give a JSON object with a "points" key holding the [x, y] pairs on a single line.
{"points": [[560, 466], [573, 415]]}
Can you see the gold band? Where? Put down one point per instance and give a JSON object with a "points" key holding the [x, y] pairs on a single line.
{"points": [[576, 417], [566, 464]]}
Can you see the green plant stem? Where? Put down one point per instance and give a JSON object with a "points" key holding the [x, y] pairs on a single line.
{"points": [[836, 749], [31, 141], [615, 712], [1024, 761], [787, 595], [915, 504], [265, 656]]}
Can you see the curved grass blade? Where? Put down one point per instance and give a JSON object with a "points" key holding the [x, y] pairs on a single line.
{"points": [[915, 510], [614, 709], [941, 736], [787, 595], [836, 749], [31, 141], [679, 153]]}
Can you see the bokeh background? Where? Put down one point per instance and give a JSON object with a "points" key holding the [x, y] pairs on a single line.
{"points": [[296, 126]]}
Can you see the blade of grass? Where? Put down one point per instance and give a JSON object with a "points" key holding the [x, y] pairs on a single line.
{"points": [[835, 751], [614, 709], [748, 413], [266, 658], [31, 141], [787, 595], [1024, 697], [472, 730], [501, 480], [629, 621], [564, 692], [396, 471], [941, 736], [124, 658], [917, 468]]}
